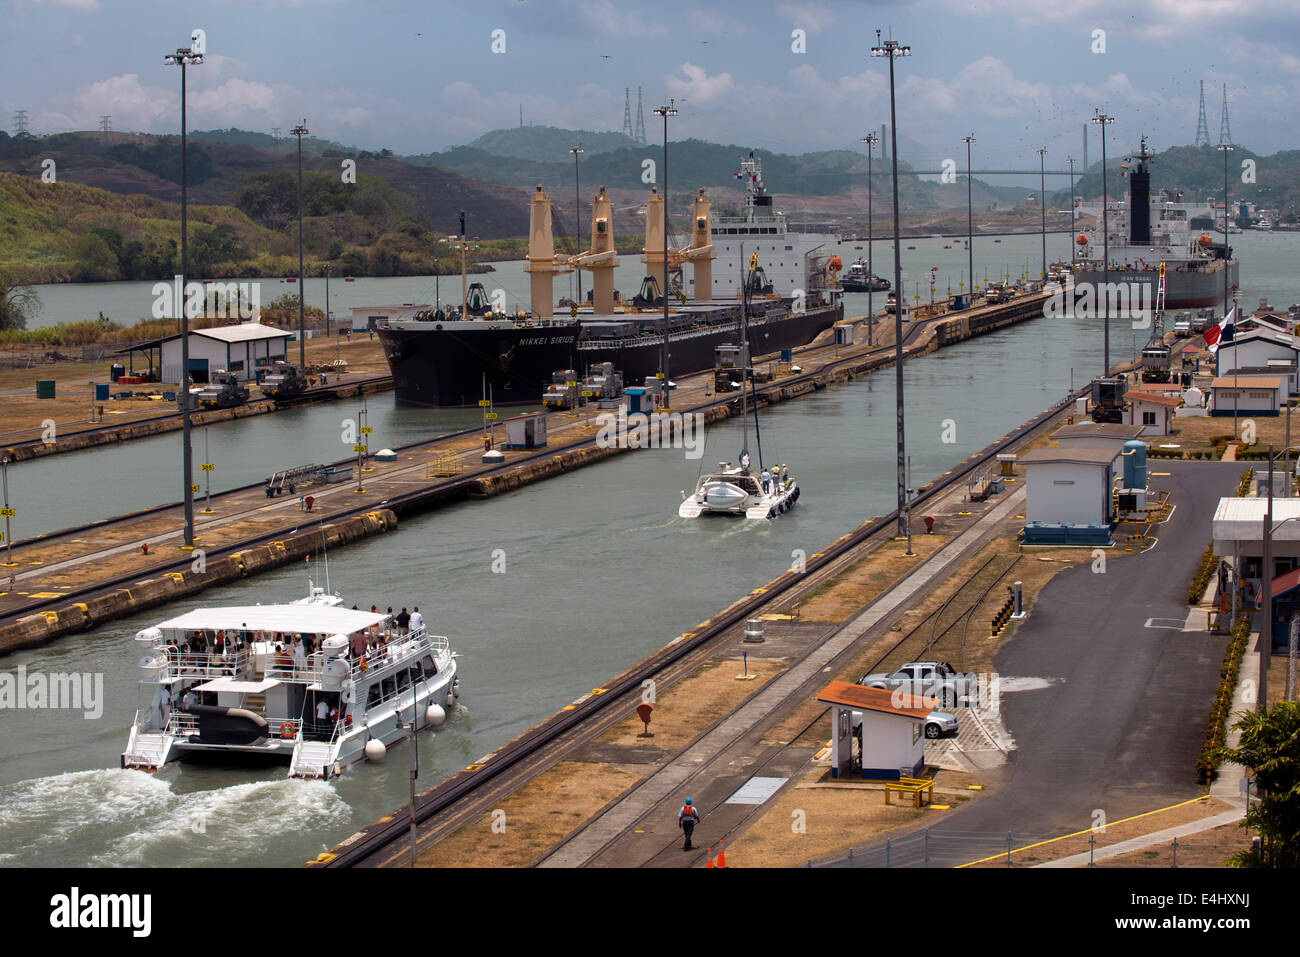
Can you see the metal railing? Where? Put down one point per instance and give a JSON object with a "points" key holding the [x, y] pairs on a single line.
{"points": [[376, 660], [201, 665]]}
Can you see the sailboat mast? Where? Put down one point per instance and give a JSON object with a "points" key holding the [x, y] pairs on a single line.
{"points": [[744, 353], [749, 363]]}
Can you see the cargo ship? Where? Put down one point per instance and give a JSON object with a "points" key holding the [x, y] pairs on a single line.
{"points": [[1146, 231], [444, 360]]}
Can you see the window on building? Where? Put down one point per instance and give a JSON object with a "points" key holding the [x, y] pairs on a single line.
{"points": [[1148, 418]]}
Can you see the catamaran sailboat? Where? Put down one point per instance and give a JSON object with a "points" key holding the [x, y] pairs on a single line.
{"points": [[736, 490], [312, 683]]}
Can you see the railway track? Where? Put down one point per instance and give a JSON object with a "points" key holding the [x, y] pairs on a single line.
{"points": [[538, 742]]}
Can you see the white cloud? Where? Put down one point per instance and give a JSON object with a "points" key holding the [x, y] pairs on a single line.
{"points": [[812, 17], [697, 87], [86, 6]]}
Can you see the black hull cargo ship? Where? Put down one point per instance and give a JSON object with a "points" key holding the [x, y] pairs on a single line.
{"points": [[438, 361], [445, 364]]}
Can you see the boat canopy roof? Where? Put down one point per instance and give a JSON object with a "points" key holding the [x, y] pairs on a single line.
{"points": [[311, 619]]}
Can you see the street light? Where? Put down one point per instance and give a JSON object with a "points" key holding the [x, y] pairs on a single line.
{"points": [[1042, 202], [665, 112], [1102, 120], [893, 49], [1226, 148], [970, 229], [299, 131], [1072, 242], [577, 218], [183, 57], [871, 139]]}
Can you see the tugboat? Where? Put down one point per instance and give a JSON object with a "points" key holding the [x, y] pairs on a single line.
{"points": [[312, 684], [284, 381], [222, 392], [858, 279]]}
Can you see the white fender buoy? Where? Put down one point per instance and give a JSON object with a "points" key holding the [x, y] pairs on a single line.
{"points": [[337, 770], [455, 687], [434, 715], [375, 750], [450, 700]]}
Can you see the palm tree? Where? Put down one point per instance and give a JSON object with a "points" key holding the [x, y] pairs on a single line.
{"points": [[1270, 747]]}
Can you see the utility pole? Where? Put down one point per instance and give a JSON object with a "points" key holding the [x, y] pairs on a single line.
{"points": [[893, 49], [970, 223], [665, 112], [1042, 201], [299, 131], [577, 218], [1073, 244], [1226, 148], [870, 139], [184, 57], [1102, 120]]}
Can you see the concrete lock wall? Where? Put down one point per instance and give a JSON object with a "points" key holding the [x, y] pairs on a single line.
{"points": [[39, 628]]}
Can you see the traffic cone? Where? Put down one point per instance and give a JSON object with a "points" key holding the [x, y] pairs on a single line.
{"points": [[708, 858], [722, 856]]}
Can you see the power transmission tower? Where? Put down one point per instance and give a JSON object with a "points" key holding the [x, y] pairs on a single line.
{"points": [[627, 112], [640, 119], [106, 123], [1225, 135], [20, 122], [1202, 127], [275, 132]]}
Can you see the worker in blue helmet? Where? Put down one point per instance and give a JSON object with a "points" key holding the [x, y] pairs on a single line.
{"points": [[687, 818]]}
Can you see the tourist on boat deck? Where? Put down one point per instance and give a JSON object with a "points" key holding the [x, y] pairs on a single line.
{"points": [[766, 478], [417, 620], [322, 711], [403, 621], [189, 699]]}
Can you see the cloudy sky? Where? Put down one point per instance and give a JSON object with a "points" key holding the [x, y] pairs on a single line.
{"points": [[789, 76]]}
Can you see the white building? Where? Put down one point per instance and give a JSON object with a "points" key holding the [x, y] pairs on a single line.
{"points": [[1246, 395], [241, 350], [1263, 350], [1238, 533], [1070, 484], [1152, 412], [892, 740]]}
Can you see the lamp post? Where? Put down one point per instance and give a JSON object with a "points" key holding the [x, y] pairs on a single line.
{"points": [[298, 131], [871, 139], [1226, 148], [1042, 202], [1072, 242], [577, 219], [1102, 120], [970, 228], [184, 57], [665, 112], [893, 49]]}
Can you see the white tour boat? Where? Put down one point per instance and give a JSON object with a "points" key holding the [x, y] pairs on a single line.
{"points": [[312, 683], [735, 490]]}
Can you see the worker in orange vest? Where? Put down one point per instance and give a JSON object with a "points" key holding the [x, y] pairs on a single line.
{"points": [[687, 818]]}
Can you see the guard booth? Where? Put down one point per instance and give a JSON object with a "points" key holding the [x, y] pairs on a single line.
{"points": [[844, 333], [527, 431], [889, 738], [640, 401]]}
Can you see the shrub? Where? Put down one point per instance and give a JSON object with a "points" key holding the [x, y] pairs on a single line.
{"points": [[1216, 729], [1201, 580]]}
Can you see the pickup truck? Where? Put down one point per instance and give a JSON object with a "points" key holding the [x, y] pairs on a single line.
{"points": [[934, 679]]}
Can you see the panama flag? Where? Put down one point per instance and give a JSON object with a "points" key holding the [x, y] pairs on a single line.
{"points": [[1216, 336]]}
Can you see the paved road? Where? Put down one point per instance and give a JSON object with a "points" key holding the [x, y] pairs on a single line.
{"points": [[1120, 726]]}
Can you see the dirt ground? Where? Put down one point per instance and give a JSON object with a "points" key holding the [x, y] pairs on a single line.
{"points": [[812, 822], [691, 705], [534, 818]]}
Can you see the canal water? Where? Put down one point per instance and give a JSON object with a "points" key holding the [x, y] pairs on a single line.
{"points": [[1265, 258], [598, 572]]}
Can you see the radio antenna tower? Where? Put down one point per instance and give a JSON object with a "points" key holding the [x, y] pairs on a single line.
{"points": [[1202, 127], [1225, 135], [640, 119], [627, 112]]}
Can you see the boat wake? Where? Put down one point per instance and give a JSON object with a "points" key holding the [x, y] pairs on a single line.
{"points": [[116, 818]]}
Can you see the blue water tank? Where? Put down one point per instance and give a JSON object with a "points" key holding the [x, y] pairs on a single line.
{"points": [[1135, 464]]}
